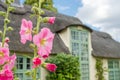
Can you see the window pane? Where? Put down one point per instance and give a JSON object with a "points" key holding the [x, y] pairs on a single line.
{"points": [[28, 60], [28, 66], [19, 63], [75, 35], [114, 69], [75, 48], [20, 76], [116, 64]]}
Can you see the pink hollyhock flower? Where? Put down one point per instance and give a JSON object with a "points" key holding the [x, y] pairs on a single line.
{"points": [[36, 62], [51, 20], [51, 67], [44, 42], [26, 31], [6, 75], [11, 62], [4, 54]]}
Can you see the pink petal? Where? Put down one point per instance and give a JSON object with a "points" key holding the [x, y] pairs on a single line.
{"points": [[24, 23], [30, 25]]}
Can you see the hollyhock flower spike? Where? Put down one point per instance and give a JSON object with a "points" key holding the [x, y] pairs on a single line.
{"points": [[4, 55], [36, 62], [51, 20], [26, 31], [51, 67], [44, 42]]}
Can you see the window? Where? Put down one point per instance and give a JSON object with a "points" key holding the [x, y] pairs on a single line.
{"points": [[114, 69], [79, 47], [23, 64]]}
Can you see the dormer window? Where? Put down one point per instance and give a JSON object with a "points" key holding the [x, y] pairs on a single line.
{"points": [[17, 3], [80, 47]]}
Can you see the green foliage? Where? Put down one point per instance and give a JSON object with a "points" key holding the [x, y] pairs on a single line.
{"points": [[46, 4], [67, 67], [100, 70]]}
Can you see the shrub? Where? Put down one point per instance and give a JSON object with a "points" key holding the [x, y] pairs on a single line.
{"points": [[67, 67]]}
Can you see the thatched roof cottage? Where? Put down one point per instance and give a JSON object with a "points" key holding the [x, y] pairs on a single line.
{"points": [[71, 37]]}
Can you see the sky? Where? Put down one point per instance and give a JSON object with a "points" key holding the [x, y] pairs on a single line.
{"points": [[101, 15]]}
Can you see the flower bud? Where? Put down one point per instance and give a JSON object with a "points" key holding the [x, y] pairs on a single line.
{"points": [[36, 10], [7, 40], [50, 20], [42, 12], [28, 73], [10, 29], [7, 21], [50, 67], [2, 13], [36, 62], [11, 8], [12, 1], [32, 45], [8, 2]]}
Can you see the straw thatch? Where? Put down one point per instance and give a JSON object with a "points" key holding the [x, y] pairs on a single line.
{"points": [[104, 46]]}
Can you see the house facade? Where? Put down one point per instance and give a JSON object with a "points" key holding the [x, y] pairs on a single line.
{"points": [[71, 37]]}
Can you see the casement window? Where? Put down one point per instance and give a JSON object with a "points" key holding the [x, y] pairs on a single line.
{"points": [[23, 64], [79, 47], [114, 69]]}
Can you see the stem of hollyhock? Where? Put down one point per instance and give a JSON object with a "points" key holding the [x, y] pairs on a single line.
{"points": [[35, 50], [39, 17], [5, 26], [35, 70], [38, 23]]}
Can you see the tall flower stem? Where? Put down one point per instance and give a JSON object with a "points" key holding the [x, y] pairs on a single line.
{"points": [[39, 17], [35, 70], [5, 25], [37, 27]]}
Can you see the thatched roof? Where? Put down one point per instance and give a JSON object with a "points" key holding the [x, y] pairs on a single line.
{"points": [[104, 46], [61, 22], [102, 43]]}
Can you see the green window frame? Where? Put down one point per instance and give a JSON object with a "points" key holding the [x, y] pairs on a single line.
{"points": [[114, 69], [22, 65], [79, 47]]}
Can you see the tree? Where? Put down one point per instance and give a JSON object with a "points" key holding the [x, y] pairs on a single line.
{"points": [[47, 4]]}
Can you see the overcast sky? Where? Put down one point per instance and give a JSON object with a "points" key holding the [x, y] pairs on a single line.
{"points": [[102, 15]]}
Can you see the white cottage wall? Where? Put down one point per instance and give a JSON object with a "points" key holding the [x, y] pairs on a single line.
{"points": [[65, 36], [93, 68], [105, 66]]}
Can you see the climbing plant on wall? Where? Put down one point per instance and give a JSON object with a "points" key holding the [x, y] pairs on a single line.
{"points": [[100, 70]]}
